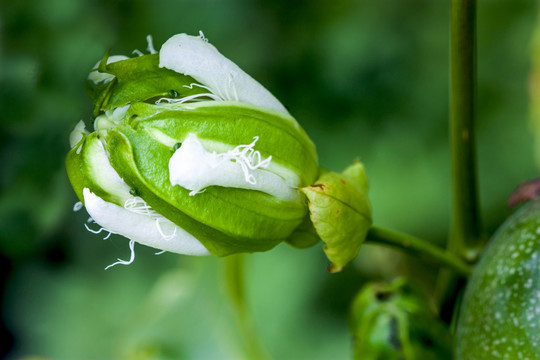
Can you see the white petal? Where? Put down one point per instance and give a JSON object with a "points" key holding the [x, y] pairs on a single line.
{"points": [[194, 168], [195, 57], [141, 228]]}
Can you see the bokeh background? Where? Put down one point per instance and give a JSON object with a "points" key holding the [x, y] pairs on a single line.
{"points": [[367, 79]]}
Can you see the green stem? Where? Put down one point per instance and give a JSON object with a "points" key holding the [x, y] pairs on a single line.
{"points": [[417, 247], [235, 285], [465, 239]]}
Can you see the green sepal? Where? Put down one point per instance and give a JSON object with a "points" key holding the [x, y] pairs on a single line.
{"points": [[304, 236], [74, 165], [138, 79], [99, 92], [394, 321], [357, 173], [232, 123], [340, 212], [225, 220], [86, 169]]}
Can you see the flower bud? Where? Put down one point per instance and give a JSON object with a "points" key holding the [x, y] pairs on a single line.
{"points": [[190, 154], [394, 321]]}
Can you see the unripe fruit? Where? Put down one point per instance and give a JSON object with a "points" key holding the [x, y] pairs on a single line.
{"points": [[500, 314]]}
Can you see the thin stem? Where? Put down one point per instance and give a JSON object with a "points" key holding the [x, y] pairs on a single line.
{"points": [[235, 285], [465, 234], [417, 247]]}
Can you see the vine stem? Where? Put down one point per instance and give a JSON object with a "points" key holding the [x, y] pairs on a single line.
{"points": [[465, 238], [417, 247], [235, 286], [465, 232]]}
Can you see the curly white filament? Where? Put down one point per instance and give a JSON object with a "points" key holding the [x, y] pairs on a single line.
{"points": [[246, 157], [139, 206], [99, 231], [150, 47], [162, 233], [195, 97], [124, 262]]}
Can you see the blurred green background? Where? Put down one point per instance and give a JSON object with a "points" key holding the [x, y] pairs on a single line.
{"points": [[367, 79]]}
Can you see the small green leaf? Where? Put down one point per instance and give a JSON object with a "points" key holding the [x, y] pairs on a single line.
{"points": [[340, 212]]}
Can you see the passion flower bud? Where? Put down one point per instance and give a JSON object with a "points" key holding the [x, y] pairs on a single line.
{"points": [[394, 321], [190, 154]]}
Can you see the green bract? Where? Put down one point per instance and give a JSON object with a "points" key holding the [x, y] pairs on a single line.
{"points": [[190, 154], [340, 213]]}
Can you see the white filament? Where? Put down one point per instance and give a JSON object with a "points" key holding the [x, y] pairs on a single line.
{"points": [[196, 97], [247, 158], [98, 231], [124, 262], [150, 47], [202, 37], [138, 206], [78, 206]]}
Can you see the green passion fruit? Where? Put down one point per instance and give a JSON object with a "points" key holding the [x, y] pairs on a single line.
{"points": [[500, 313]]}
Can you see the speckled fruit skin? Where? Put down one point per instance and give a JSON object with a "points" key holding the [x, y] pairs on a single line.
{"points": [[500, 314]]}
